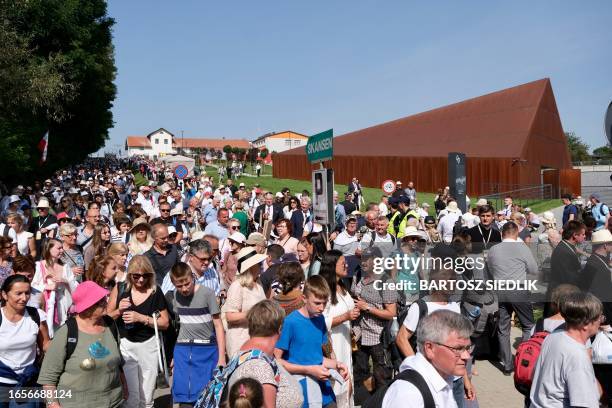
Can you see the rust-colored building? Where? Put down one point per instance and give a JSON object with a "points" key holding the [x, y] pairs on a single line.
{"points": [[512, 138]]}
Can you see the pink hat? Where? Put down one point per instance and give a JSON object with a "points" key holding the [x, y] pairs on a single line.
{"points": [[86, 295], [62, 215]]}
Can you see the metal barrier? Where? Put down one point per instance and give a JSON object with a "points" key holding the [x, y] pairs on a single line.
{"points": [[524, 197]]}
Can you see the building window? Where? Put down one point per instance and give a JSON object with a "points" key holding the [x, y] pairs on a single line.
{"points": [[288, 142], [165, 141], [156, 141], [296, 142]]}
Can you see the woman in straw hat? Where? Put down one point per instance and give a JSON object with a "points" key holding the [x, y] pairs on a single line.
{"points": [[140, 237], [242, 294]]}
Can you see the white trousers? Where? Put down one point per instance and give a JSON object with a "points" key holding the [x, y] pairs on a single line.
{"points": [[140, 371]]}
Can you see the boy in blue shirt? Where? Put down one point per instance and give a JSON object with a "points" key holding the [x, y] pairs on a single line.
{"points": [[300, 346]]}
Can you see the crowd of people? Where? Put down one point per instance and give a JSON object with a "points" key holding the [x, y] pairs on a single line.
{"points": [[239, 296]]}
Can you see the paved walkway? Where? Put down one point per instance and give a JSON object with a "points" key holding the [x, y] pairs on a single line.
{"points": [[493, 388]]}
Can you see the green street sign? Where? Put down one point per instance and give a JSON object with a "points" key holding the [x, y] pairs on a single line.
{"points": [[320, 147]]}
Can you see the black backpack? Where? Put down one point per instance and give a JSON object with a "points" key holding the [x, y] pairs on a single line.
{"points": [[411, 376], [422, 313], [373, 233], [73, 335]]}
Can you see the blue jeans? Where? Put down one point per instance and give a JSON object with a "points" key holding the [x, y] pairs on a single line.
{"points": [[5, 403]]}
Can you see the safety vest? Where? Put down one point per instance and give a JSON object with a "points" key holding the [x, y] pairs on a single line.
{"points": [[391, 228], [402, 226]]}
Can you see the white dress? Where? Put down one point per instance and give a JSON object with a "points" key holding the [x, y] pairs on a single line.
{"points": [[58, 301], [341, 342], [22, 242]]}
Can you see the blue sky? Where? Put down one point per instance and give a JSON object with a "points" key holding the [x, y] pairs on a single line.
{"points": [[239, 69]]}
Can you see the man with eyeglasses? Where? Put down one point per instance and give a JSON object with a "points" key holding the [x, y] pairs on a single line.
{"points": [[438, 299], [199, 258], [443, 353]]}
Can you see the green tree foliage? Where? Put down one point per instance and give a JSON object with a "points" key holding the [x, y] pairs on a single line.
{"points": [[56, 73], [227, 149], [264, 153], [252, 154], [578, 149], [603, 152]]}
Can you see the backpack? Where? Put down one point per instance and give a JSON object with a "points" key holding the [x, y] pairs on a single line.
{"points": [[32, 312], [422, 313], [602, 213], [526, 356], [73, 335], [216, 391], [373, 233], [411, 376]]}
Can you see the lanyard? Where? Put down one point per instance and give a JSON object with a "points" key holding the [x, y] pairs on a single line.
{"points": [[40, 224], [483, 238]]}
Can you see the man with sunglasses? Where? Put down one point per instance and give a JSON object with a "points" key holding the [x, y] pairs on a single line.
{"points": [[44, 225], [426, 378]]}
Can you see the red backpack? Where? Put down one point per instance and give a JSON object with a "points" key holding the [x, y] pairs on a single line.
{"points": [[526, 356]]}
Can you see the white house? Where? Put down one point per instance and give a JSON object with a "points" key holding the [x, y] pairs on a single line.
{"points": [[281, 141], [162, 142]]}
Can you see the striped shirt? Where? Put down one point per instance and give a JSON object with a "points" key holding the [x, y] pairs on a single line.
{"points": [[195, 315]]}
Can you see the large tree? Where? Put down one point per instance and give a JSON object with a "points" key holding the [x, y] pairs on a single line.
{"points": [[603, 152], [578, 149], [56, 74]]}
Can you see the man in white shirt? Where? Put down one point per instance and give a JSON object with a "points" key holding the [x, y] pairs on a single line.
{"points": [[381, 238], [145, 200], [564, 375], [447, 222], [444, 346]]}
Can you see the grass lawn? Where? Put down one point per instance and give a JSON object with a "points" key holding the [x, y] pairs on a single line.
{"points": [[370, 194]]}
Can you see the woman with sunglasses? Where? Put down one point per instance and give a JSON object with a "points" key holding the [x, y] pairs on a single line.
{"points": [[23, 332], [134, 305], [92, 372], [290, 208], [67, 206], [57, 282]]}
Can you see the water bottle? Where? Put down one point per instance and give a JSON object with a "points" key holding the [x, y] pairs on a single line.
{"points": [[473, 313]]}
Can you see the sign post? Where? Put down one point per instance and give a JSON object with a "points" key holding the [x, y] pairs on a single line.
{"points": [[320, 147], [457, 180], [323, 197], [180, 171]]}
